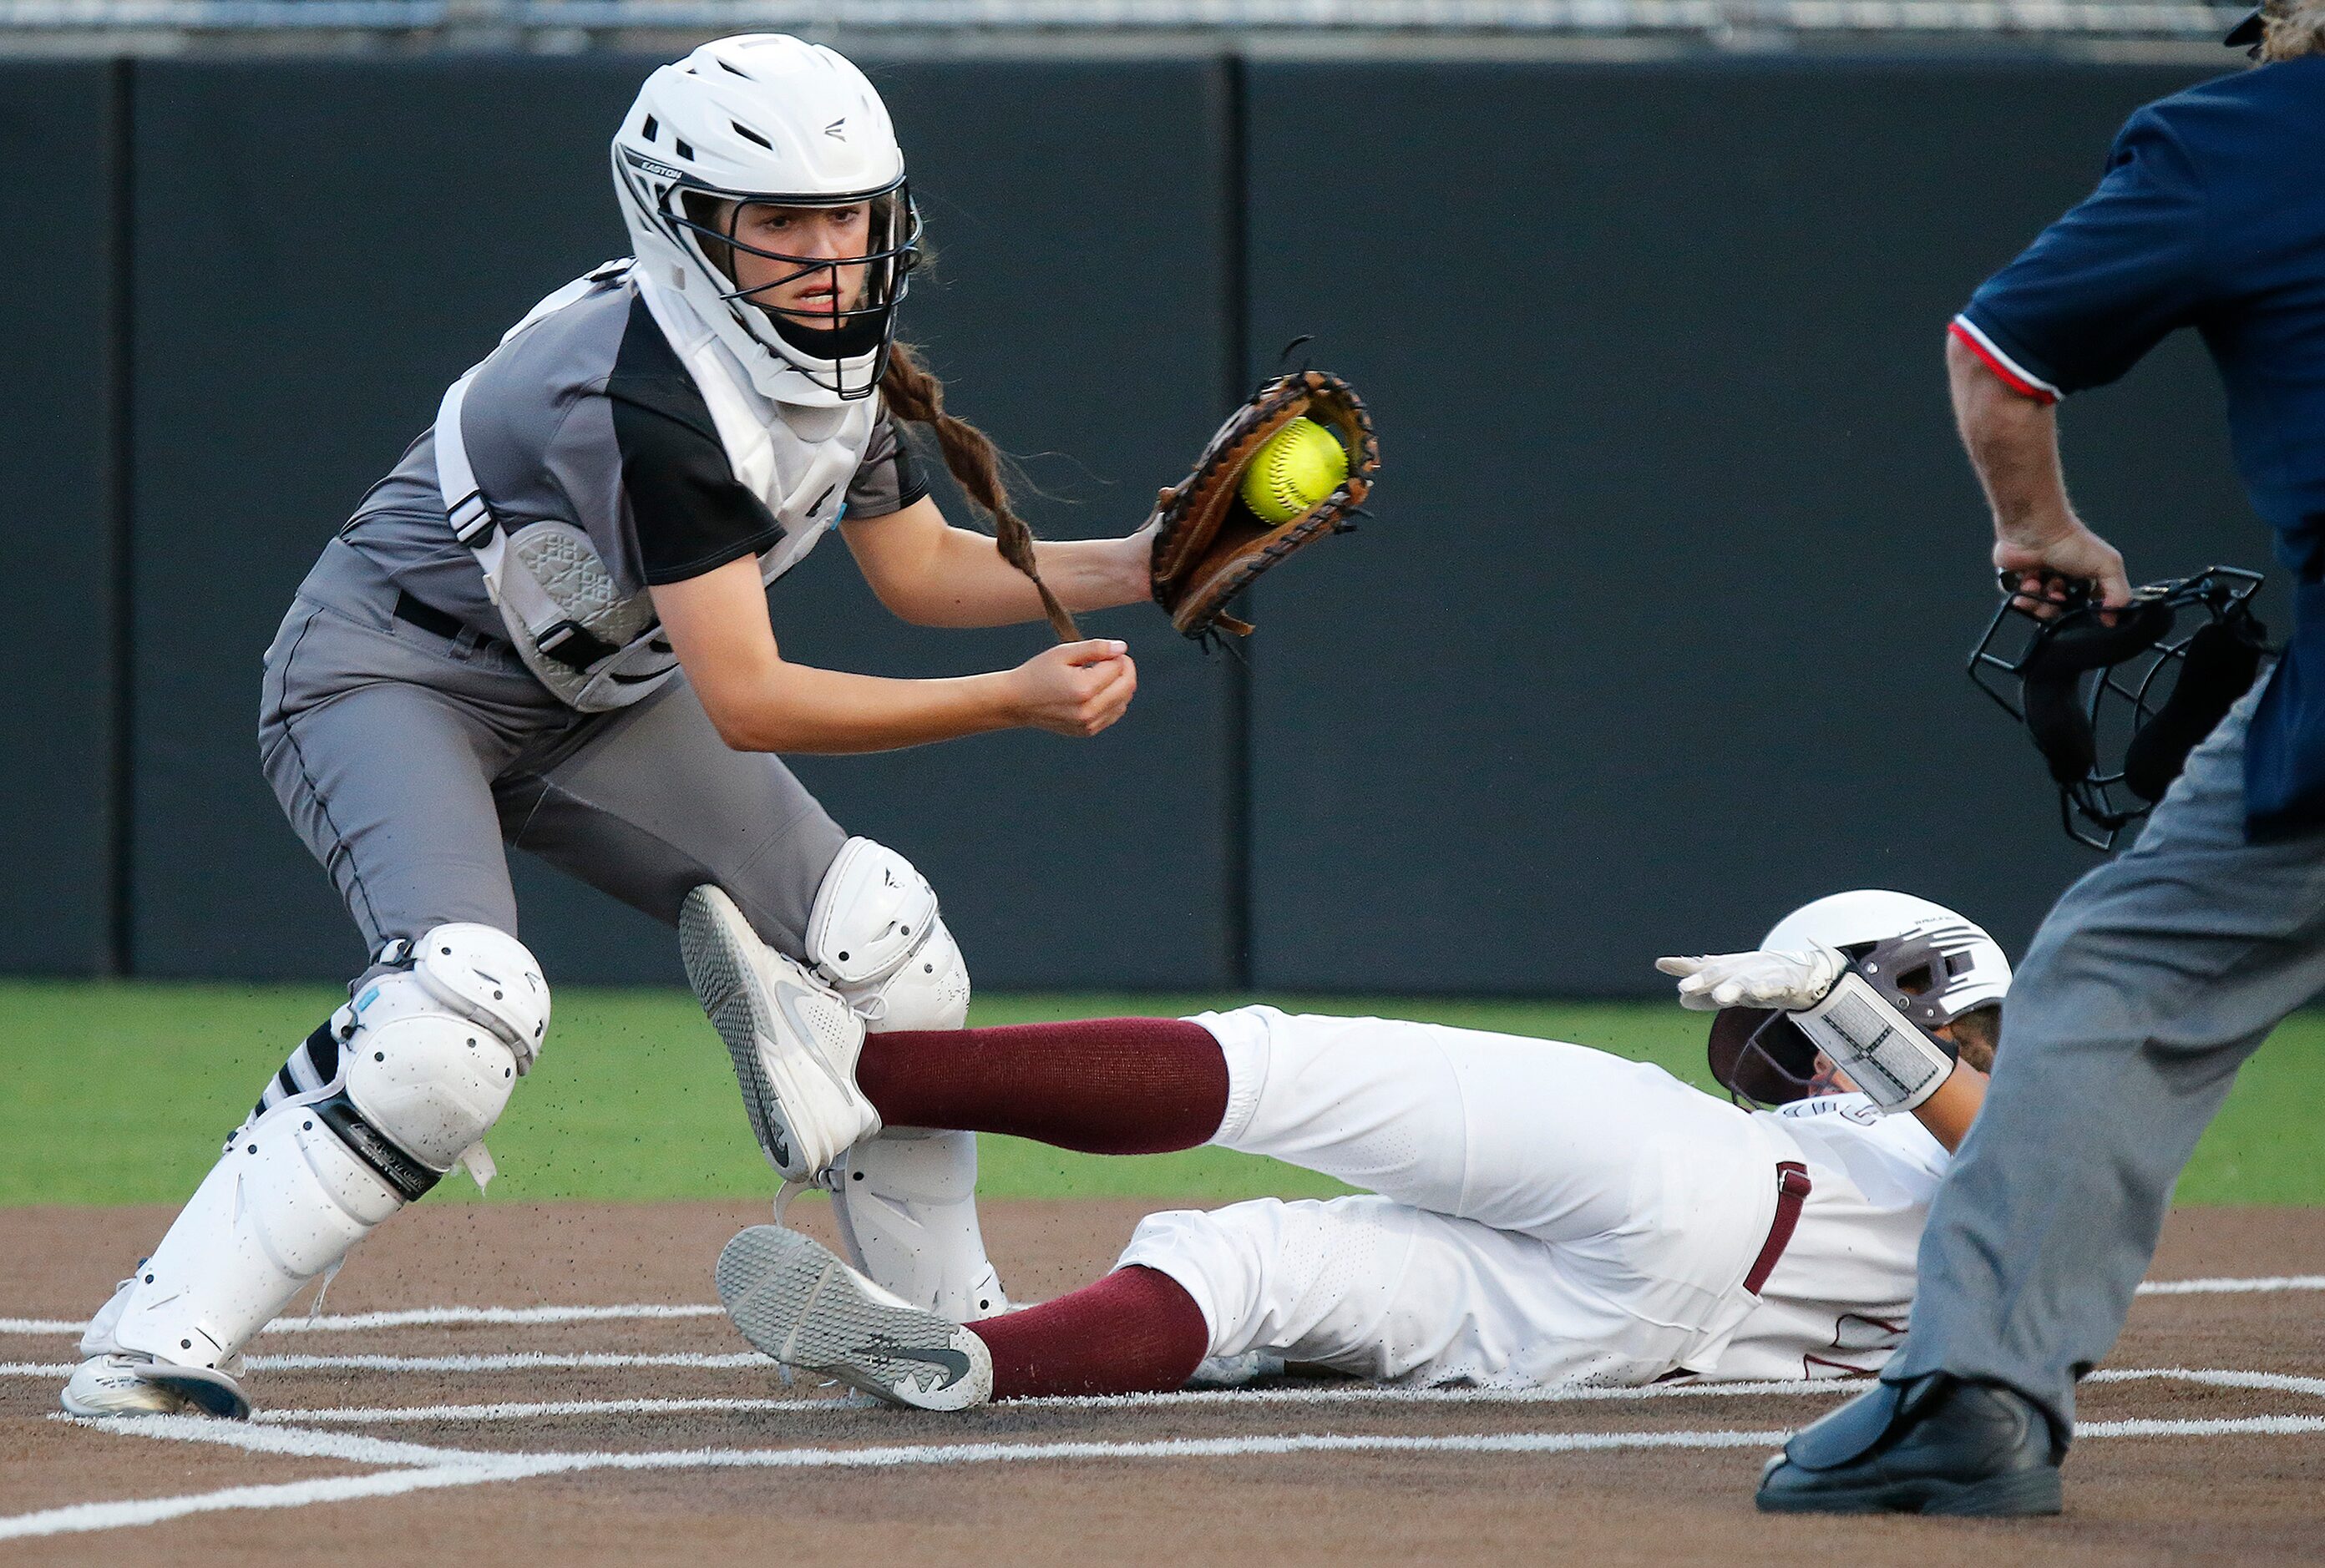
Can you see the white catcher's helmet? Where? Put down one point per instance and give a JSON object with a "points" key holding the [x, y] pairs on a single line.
{"points": [[1967, 968], [766, 117]]}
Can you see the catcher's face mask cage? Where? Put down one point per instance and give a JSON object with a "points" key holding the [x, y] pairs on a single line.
{"points": [[837, 342], [2115, 710], [1928, 975]]}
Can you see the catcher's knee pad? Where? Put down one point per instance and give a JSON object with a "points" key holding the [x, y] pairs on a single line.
{"points": [[906, 1207], [875, 934], [428, 1072], [483, 974], [369, 1113]]}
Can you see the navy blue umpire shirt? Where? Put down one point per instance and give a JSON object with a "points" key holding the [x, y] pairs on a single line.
{"points": [[2210, 214]]}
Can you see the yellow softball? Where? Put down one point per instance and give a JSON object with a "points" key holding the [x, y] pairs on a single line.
{"points": [[1293, 469]]}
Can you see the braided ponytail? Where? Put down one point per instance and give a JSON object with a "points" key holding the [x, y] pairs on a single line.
{"points": [[970, 457]]}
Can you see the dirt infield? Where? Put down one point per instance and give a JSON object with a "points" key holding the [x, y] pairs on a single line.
{"points": [[652, 1434]]}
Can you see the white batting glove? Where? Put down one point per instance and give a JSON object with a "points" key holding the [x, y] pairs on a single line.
{"points": [[1786, 980]]}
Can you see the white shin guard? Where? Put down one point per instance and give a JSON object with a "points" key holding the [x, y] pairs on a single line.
{"points": [[906, 1201], [906, 1205], [401, 1084], [284, 1203]]}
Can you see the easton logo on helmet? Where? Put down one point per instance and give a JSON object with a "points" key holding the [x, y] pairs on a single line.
{"points": [[663, 171]]}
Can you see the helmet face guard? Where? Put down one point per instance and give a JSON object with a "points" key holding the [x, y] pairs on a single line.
{"points": [[847, 358], [1763, 1060], [2115, 709], [865, 326]]}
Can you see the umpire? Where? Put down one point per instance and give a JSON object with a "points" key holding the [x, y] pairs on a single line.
{"points": [[2158, 974]]}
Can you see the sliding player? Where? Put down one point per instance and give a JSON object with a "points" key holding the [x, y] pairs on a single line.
{"points": [[1535, 1212]]}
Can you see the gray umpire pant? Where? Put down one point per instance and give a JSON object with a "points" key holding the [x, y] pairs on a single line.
{"points": [[2149, 984], [406, 760]]}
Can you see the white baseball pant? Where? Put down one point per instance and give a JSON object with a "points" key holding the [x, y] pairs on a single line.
{"points": [[1541, 1210]]}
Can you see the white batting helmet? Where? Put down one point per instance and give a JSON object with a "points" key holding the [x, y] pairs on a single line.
{"points": [[1929, 963], [1964, 967]]}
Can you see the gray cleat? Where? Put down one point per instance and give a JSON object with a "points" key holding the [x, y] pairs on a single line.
{"points": [[793, 1040], [792, 1299]]}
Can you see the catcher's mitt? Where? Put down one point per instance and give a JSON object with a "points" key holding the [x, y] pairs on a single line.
{"points": [[1210, 545]]}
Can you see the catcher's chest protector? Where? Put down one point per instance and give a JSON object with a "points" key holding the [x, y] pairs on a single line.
{"points": [[594, 646]]}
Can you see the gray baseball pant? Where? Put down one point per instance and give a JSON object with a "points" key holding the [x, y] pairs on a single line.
{"points": [[406, 760], [2147, 988]]}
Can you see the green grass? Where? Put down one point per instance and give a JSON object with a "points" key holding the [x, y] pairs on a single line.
{"points": [[120, 1093]]}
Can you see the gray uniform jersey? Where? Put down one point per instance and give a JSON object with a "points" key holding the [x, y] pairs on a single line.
{"points": [[590, 417]]}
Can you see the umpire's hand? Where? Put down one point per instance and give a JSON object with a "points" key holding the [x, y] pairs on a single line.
{"points": [[2044, 568]]}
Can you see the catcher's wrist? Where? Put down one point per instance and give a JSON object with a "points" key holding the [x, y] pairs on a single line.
{"points": [[1134, 568], [998, 699]]}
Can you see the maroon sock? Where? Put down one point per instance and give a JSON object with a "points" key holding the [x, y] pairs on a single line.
{"points": [[1123, 1086], [1137, 1331]]}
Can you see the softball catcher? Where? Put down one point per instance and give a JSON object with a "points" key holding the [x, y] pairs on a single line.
{"points": [[548, 627]]}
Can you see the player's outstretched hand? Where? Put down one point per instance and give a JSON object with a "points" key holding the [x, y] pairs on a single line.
{"points": [[1788, 981], [1076, 688], [2076, 554]]}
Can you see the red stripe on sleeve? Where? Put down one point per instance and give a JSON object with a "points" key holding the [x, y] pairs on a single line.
{"points": [[2007, 376]]}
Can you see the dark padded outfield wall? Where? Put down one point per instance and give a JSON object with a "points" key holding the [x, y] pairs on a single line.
{"points": [[1076, 312], [320, 249], [55, 745], [1660, 631], [324, 246]]}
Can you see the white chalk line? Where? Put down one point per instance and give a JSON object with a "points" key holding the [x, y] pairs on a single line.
{"points": [[420, 1317], [293, 1442], [1326, 1394], [547, 1409], [641, 1312], [304, 1444], [419, 1466], [508, 1361], [478, 1470], [474, 1470], [2285, 1382], [511, 1361], [2258, 1283], [2226, 1426], [78, 1518]]}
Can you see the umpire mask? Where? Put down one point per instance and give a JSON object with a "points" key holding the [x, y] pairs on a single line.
{"points": [[2115, 709]]}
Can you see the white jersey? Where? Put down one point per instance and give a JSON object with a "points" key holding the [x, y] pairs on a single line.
{"points": [[1837, 1302]]}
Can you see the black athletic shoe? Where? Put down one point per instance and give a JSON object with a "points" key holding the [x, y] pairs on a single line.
{"points": [[1933, 1445]]}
